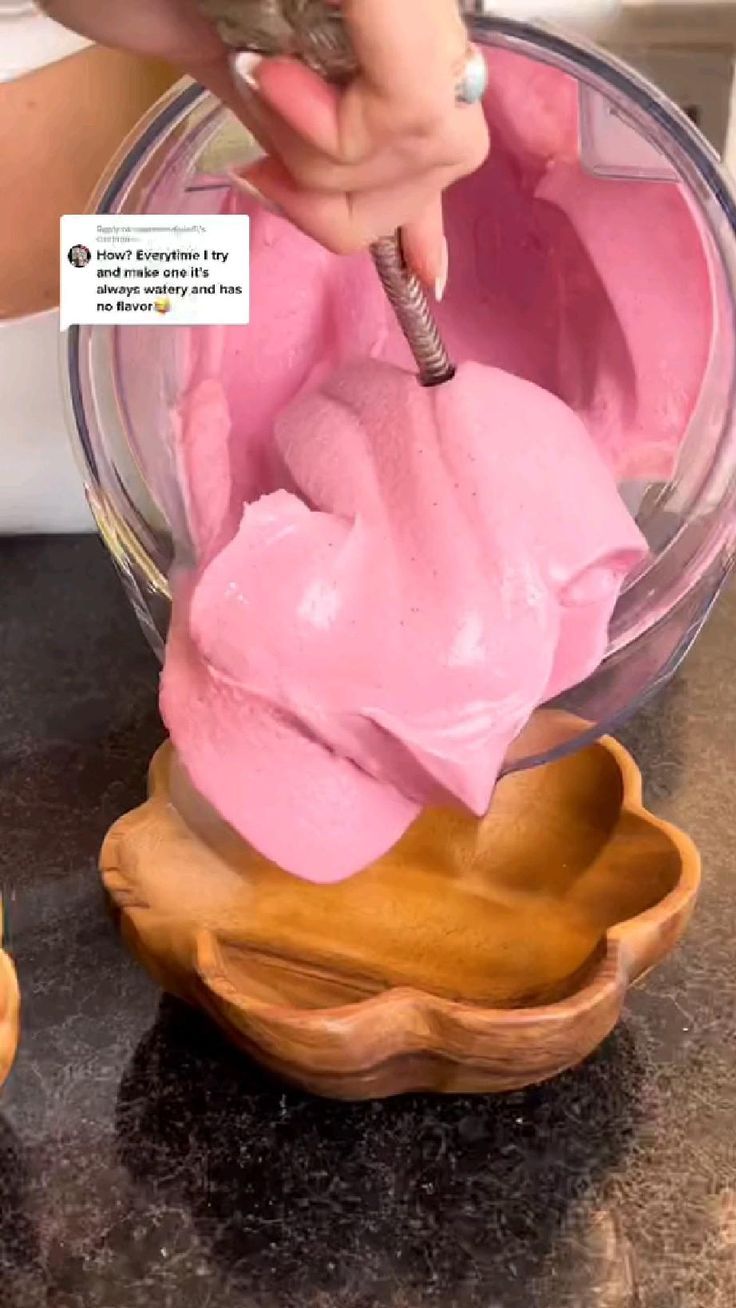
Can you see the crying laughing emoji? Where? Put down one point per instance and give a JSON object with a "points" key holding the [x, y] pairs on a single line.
{"points": [[162, 305]]}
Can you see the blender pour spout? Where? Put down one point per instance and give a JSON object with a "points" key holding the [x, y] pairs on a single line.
{"points": [[314, 31]]}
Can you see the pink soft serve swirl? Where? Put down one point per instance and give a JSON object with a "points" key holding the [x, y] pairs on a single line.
{"points": [[387, 579]]}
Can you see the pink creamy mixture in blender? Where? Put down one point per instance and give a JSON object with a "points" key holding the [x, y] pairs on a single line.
{"points": [[387, 580]]}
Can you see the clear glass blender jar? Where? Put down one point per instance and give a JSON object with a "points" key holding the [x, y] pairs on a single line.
{"points": [[122, 383]]}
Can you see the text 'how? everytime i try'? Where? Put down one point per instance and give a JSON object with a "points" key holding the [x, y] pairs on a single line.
{"points": [[164, 271]]}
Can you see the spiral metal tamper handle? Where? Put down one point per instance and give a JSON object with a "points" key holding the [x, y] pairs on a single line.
{"points": [[313, 31]]}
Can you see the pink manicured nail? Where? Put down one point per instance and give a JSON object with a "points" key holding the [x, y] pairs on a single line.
{"points": [[243, 67], [440, 285]]}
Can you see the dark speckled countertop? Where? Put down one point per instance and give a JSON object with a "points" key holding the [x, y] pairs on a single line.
{"points": [[144, 1163]]}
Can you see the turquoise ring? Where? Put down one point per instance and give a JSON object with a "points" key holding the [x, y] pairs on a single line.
{"points": [[474, 81]]}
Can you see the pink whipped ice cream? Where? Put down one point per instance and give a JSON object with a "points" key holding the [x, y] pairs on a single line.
{"points": [[382, 582]]}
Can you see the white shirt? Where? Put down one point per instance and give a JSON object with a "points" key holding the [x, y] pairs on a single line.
{"points": [[30, 39]]}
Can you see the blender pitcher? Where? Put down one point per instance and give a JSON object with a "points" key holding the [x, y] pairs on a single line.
{"points": [[123, 384]]}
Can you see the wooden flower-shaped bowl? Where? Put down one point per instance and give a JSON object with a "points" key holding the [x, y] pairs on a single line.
{"points": [[9, 1010], [476, 956]]}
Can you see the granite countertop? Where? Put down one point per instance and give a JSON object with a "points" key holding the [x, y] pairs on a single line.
{"points": [[142, 1162]]}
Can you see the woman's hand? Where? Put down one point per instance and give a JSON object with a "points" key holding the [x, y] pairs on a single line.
{"points": [[346, 166]]}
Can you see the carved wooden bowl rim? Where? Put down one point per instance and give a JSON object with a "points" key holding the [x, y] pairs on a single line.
{"points": [[616, 966], [354, 1049], [9, 1009]]}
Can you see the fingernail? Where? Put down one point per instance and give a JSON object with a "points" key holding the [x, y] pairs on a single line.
{"points": [[254, 193], [244, 67], [440, 285]]}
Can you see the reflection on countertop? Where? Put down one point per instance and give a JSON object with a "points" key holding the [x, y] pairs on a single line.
{"points": [[142, 1161]]}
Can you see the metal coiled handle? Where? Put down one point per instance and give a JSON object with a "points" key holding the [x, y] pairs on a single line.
{"points": [[313, 31], [407, 297]]}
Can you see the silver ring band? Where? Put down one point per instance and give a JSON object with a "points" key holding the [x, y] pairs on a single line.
{"points": [[473, 83]]}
